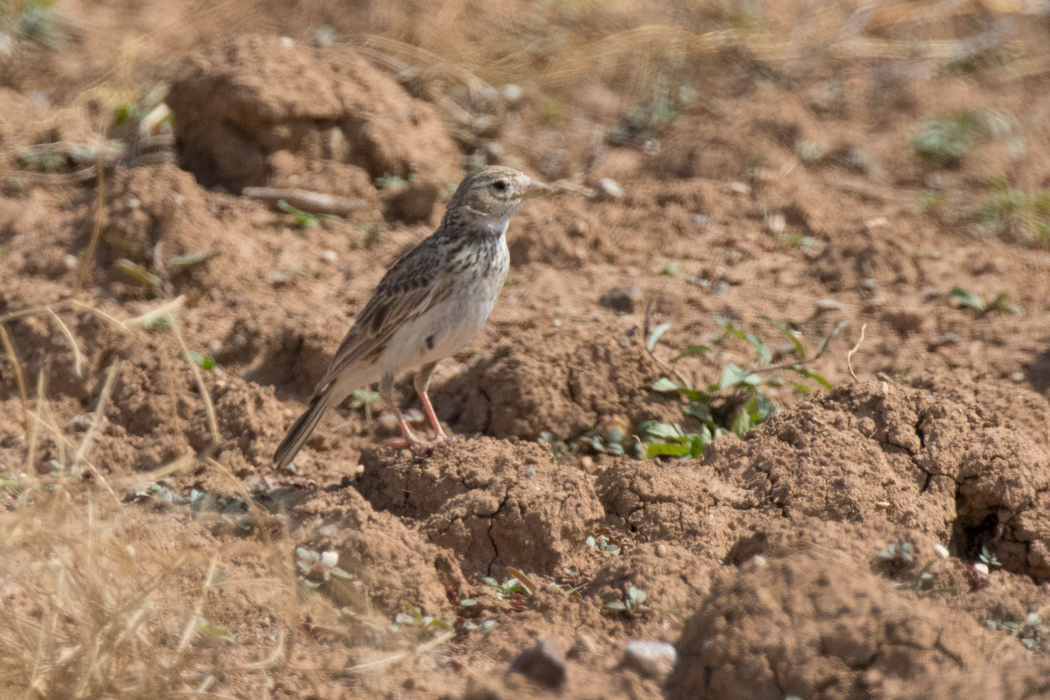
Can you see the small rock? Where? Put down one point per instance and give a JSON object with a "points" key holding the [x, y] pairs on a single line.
{"points": [[621, 299], [543, 664], [738, 188], [661, 550], [6, 45], [329, 559], [70, 261], [775, 224], [511, 94], [328, 530], [652, 659], [941, 550], [609, 189], [1017, 377], [329, 255]]}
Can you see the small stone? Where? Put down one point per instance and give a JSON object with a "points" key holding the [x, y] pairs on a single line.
{"points": [[327, 530], [6, 45], [981, 568], [329, 255], [754, 563], [329, 559], [1017, 377], [609, 189], [512, 94], [543, 664], [70, 261], [621, 299], [738, 188], [941, 550], [651, 659], [775, 224], [661, 550]]}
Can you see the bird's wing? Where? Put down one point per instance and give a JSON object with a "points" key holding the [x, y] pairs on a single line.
{"points": [[408, 290]]}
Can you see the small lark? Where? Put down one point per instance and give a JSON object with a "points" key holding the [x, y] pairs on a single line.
{"points": [[431, 303]]}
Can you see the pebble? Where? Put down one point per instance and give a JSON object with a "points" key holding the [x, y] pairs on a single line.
{"points": [[609, 189], [82, 422], [329, 255], [512, 94], [621, 299], [329, 559], [651, 659], [70, 261], [585, 644], [543, 664], [941, 550]]}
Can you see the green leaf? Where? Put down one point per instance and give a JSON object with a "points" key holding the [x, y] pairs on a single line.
{"points": [[810, 374], [659, 430], [192, 260], [733, 375], [665, 386], [657, 334], [800, 349], [968, 299], [742, 422], [691, 351], [700, 410], [830, 336], [660, 449], [214, 631], [137, 273], [762, 354]]}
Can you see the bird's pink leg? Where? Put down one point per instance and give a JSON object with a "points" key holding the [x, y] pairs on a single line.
{"points": [[386, 391], [439, 432], [422, 383]]}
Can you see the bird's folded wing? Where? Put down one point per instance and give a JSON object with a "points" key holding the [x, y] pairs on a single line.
{"points": [[407, 291]]}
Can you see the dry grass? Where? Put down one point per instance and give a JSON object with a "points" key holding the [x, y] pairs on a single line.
{"points": [[93, 612]]}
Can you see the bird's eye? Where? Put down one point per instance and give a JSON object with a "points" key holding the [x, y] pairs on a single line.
{"points": [[500, 185]]}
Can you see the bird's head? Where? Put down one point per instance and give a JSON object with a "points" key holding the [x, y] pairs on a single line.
{"points": [[491, 195]]}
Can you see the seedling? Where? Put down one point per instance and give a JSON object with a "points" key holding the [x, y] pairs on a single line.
{"points": [[973, 300], [633, 604], [304, 219], [1011, 210], [1032, 633], [603, 541], [316, 568], [509, 588], [738, 401], [989, 559], [900, 557], [428, 626], [571, 582], [213, 631], [205, 362], [945, 143]]}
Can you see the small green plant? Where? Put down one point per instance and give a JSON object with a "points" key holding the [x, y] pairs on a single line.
{"points": [[738, 401], [603, 541], [205, 362], [428, 626], [304, 219], [390, 182], [944, 143], [989, 559], [508, 589], [373, 233], [633, 604], [1013, 212], [213, 631], [571, 581], [1032, 633], [972, 300], [315, 568], [900, 559]]}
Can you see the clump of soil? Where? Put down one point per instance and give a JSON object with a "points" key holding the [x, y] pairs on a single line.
{"points": [[563, 383], [812, 625], [495, 506], [243, 107]]}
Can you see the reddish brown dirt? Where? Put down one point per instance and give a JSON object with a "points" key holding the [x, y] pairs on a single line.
{"points": [[760, 561]]}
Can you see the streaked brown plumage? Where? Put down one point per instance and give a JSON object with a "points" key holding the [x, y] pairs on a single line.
{"points": [[430, 303]]}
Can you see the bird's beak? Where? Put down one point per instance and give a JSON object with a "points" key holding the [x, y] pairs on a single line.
{"points": [[537, 189]]}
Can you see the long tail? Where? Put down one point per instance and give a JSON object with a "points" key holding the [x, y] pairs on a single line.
{"points": [[302, 428]]}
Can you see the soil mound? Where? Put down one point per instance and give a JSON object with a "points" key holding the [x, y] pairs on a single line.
{"points": [[241, 105], [814, 626]]}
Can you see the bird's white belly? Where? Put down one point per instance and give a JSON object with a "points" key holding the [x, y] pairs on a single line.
{"points": [[446, 328]]}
